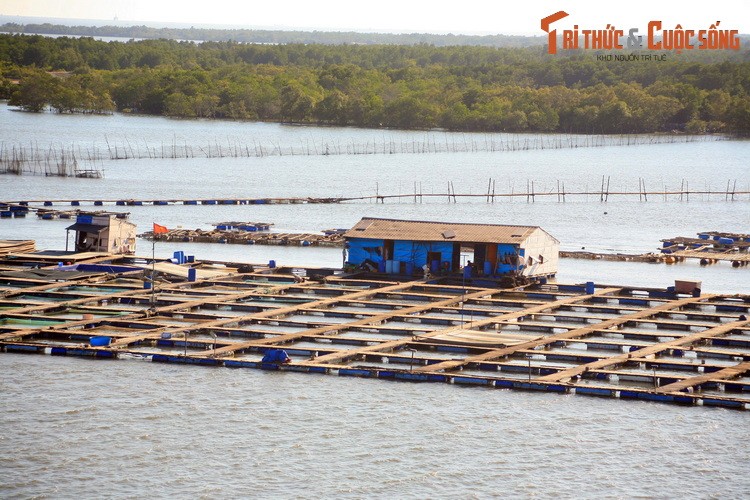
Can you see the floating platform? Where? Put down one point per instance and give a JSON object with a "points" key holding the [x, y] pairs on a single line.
{"points": [[8, 210], [710, 247], [243, 226], [16, 246], [604, 341], [51, 214], [247, 237], [173, 201]]}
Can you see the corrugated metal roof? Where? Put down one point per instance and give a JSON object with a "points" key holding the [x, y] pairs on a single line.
{"points": [[394, 229]]}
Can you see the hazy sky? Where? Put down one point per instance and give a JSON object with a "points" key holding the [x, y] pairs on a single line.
{"points": [[462, 16]]}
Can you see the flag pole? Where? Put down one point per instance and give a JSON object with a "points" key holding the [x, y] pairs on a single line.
{"points": [[153, 271]]}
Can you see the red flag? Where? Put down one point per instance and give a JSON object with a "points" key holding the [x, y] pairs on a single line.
{"points": [[160, 229]]}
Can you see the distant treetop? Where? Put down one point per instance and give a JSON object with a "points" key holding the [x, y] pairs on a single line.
{"points": [[276, 36]]}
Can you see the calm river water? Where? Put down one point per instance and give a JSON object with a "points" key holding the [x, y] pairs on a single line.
{"points": [[73, 428]]}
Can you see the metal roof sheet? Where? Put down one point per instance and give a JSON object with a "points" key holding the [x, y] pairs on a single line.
{"points": [[394, 229], [86, 228]]}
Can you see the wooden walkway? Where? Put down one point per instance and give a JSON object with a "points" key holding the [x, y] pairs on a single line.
{"points": [[617, 342], [718, 256], [530, 194]]}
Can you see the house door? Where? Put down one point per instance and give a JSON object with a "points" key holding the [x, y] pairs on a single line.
{"points": [[433, 260], [480, 251], [388, 250]]}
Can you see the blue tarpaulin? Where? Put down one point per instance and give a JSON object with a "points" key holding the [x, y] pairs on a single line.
{"points": [[414, 252], [361, 250], [275, 356], [410, 251]]}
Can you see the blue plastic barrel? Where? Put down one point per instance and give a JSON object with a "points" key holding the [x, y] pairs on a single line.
{"points": [[590, 287], [467, 272], [487, 268], [192, 274], [272, 264], [191, 258], [99, 341], [147, 285], [381, 266], [410, 268]]}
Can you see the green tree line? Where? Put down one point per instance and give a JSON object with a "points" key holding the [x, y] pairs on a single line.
{"points": [[399, 86], [273, 36]]}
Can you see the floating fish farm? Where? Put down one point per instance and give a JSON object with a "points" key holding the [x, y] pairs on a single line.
{"points": [[586, 339]]}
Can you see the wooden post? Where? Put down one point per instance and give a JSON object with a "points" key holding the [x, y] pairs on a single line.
{"points": [[607, 197]]}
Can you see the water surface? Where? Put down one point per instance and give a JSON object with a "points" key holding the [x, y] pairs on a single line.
{"points": [[83, 428]]}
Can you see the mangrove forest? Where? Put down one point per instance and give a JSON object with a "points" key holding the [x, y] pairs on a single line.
{"points": [[462, 88]]}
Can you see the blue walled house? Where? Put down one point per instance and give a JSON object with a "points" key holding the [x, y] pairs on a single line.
{"points": [[404, 247]]}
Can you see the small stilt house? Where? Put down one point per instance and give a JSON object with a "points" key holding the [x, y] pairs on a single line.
{"points": [[405, 247], [102, 233]]}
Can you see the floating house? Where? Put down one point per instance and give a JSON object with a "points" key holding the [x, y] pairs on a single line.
{"points": [[404, 246], [102, 233]]}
